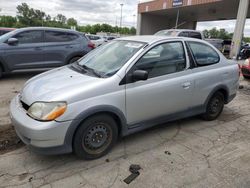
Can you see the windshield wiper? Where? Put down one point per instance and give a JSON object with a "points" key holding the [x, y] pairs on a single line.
{"points": [[91, 70]]}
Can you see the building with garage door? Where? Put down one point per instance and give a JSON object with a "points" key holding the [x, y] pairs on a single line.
{"points": [[184, 14]]}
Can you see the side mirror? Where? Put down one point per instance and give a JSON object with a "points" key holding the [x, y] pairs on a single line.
{"points": [[12, 41], [140, 75]]}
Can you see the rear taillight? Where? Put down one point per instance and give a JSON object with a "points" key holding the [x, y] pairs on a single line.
{"points": [[91, 45], [239, 69], [246, 62]]}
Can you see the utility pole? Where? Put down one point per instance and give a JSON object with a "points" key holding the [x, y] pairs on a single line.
{"points": [[121, 17], [177, 19], [239, 28]]}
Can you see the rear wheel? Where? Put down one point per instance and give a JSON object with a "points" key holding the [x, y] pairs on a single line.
{"points": [[214, 107], [246, 77], [74, 59], [95, 137]]}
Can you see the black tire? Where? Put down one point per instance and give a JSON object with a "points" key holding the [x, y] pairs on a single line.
{"points": [[95, 137], [214, 107], [246, 77], [74, 59]]}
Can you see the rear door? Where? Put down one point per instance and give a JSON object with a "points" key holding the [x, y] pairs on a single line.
{"points": [[58, 46], [27, 53]]}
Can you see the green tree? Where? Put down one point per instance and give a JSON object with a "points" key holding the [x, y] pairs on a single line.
{"points": [[71, 22], [8, 21], [61, 18]]}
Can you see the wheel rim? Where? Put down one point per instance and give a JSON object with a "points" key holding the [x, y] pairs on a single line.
{"points": [[97, 138], [215, 106]]}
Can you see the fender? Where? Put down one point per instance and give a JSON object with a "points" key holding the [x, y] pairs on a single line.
{"points": [[4, 66], [87, 113], [217, 88], [75, 54]]}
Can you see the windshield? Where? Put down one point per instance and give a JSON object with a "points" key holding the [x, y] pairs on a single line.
{"points": [[6, 36], [166, 33], [108, 59]]}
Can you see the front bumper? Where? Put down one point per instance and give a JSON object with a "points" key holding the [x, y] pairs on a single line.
{"points": [[42, 137]]}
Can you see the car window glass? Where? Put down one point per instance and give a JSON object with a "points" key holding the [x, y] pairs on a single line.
{"points": [[163, 59], [57, 36], [204, 54], [183, 34], [29, 37], [195, 35]]}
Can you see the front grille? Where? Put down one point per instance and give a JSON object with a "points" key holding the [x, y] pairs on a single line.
{"points": [[25, 106]]}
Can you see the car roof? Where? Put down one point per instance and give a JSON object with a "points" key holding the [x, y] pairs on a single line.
{"points": [[47, 28], [179, 30], [154, 38]]}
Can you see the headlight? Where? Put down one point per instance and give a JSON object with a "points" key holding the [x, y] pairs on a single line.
{"points": [[47, 111]]}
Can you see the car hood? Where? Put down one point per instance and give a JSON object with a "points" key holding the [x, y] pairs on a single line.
{"points": [[57, 85]]}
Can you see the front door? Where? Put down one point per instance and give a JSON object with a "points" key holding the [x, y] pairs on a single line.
{"points": [[27, 53], [167, 90]]}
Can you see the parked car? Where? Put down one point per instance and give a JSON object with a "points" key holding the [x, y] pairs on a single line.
{"points": [[4, 30], [226, 46], [40, 47], [121, 88], [97, 40], [181, 33], [245, 69], [244, 52], [217, 43], [109, 38]]}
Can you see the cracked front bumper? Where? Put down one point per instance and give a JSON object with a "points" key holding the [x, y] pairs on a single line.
{"points": [[38, 135]]}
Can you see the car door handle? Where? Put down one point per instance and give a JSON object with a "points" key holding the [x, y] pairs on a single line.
{"points": [[186, 85], [69, 46], [38, 48]]}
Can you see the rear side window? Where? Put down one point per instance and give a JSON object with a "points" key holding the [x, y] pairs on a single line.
{"points": [[29, 37], [195, 35], [204, 54], [58, 36]]}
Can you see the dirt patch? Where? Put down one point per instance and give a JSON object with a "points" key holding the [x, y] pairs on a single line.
{"points": [[9, 141]]}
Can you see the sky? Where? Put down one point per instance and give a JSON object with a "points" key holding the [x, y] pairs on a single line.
{"points": [[100, 11]]}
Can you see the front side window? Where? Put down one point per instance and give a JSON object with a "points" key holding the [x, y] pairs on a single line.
{"points": [[108, 59], [58, 36], [204, 54], [163, 59], [29, 37]]}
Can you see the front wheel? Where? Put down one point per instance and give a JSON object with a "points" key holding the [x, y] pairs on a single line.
{"points": [[73, 60], [95, 137], [214, 107]]}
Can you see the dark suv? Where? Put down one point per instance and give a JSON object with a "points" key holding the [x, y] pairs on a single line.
{"points": [[40, 47]]}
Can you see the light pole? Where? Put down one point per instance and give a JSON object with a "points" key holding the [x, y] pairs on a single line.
{"points": [[121, 16], [134, 16]]}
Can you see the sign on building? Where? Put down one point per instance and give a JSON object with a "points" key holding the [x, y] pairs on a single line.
{"points": [[177, 3]]}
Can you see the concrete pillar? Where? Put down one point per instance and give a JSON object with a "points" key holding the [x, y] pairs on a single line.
{"points": [[239, 28], [138, 29]]}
